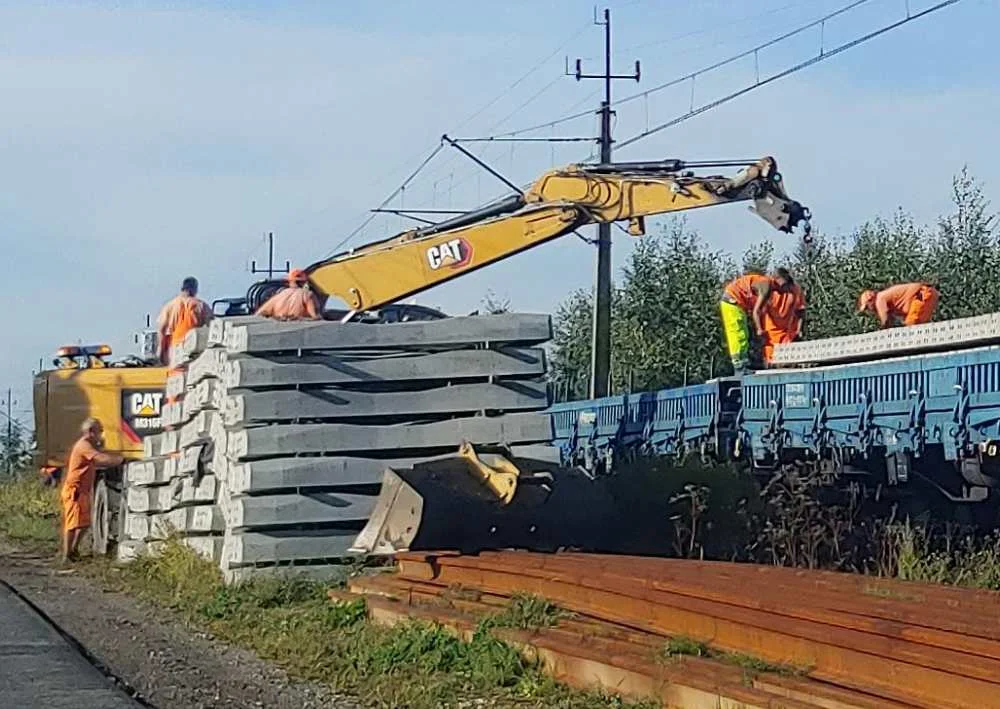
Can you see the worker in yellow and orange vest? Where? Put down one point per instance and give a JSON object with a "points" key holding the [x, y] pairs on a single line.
{"points": [[773, 304]]}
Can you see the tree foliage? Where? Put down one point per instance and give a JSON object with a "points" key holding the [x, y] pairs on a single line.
{"points": [[666, 329], [492, 304], [15, 454]]}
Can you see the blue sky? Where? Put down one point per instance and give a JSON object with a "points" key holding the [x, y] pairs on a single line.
{"points": [[143, 141]]}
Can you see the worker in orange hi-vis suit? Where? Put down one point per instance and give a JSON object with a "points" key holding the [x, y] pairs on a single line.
{"points": [[85, 459], [772, 304], [783, 313], [912, 303], [179, 316], [296, 302]]}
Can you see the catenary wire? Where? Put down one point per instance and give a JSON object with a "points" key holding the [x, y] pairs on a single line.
{"points": [[791, 70], [673, 82], [714, 27], [370, 217], [742, 55]]}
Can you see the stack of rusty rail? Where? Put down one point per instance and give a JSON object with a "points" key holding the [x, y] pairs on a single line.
{"points": [[855, 641]]}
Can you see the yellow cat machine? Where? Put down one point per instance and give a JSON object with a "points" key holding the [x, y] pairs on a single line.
{"points": [[126, 395], [438, 504]]}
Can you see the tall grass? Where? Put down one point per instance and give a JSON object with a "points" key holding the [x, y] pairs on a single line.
{"points": [[29, 512], [419, 665], [942, 554]]}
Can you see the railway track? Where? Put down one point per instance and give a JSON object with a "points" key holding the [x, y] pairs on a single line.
{"points": [[778, 637]]}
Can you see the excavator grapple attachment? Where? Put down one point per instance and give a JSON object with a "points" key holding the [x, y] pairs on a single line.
{"points": [[470, 502], [496, 472], [783, 214]]}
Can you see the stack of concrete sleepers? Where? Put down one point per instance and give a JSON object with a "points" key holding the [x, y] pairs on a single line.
{"points": [[174, 489], [303, 418]]}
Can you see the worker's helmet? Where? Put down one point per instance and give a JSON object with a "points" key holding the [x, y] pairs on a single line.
{"points": [[297, 276], [866, 300]]}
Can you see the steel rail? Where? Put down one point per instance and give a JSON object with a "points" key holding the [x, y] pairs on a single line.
{"points": [[585, 652], [862, 606], [781, 617]]}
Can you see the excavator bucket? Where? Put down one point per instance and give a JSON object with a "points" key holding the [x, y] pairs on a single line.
{"points": [[469, 502]]}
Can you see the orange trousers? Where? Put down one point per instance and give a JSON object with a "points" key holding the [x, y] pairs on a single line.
{"points": [[921, 309], [76, 507], [774, 334]]}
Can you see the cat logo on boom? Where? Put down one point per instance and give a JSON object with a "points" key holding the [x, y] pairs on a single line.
{"points": [[453, 254]]}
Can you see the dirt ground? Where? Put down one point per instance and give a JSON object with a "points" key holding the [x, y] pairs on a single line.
{"points": [[169, 665]]}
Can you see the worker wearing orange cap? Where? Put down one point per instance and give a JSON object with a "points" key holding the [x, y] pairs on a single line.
{"points": [[774, 305], [913, 303], [77, 491], [296, 302]]}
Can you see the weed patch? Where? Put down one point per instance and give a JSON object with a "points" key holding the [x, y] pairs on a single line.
{"points": [[944, 554], [877, 591], [29, 511], [414, 664], [527, 612], [683, 646]]}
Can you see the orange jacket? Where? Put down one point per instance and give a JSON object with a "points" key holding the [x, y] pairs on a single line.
{"points": [[179, 316], [81, 468], [784, 309], [743, 291], [290, 304], [896, 301]]}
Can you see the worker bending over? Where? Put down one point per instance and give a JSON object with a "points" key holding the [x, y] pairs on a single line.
{"points": [[296, 302], [774, 304], [783, 313], [179, 316], [912, 303], [85, 459]]}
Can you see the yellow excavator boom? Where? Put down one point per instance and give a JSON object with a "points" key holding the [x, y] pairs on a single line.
{"points": [[558, 203]]}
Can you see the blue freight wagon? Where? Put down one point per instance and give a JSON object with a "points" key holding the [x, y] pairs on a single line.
{"points": [[935, 416], [675, 422], [932, 418]]}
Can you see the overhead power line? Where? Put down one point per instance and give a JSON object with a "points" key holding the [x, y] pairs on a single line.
{"points": [[781, 74], [521, 79], [524, 104], [508, 136], [475, 114], [742, 55], [713, 27], [492, 139], [553, 122], [343, 242], [573, 115]]}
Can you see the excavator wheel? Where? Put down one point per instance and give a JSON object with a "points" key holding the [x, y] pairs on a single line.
{"points": [[101, 518], [107, 516]]}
